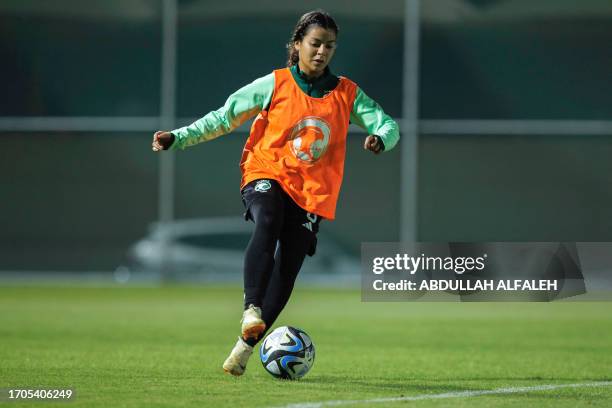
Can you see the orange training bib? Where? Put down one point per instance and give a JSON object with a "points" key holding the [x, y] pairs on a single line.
{"points": [[300, 142]]}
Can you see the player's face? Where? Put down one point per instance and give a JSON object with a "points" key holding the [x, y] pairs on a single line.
{"points": [[316, 50]]}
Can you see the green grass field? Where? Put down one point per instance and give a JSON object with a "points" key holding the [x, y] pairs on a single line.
{"points": [[159, 347]]}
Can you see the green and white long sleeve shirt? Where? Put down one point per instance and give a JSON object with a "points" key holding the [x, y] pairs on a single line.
{"points": [[251, 99]]}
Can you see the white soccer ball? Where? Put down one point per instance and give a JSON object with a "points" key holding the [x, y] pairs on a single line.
{"points": [[287, 353]]}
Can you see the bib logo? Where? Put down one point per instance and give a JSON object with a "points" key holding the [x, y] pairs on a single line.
{"points": [[309, 139], [262, 186]]}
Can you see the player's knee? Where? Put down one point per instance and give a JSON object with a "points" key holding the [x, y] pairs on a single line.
{"points": [[269, 219]]}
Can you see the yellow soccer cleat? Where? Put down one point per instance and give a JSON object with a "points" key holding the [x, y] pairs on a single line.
{"points": [[252, 324]]}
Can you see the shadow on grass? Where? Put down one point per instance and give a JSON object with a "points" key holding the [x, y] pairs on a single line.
{"points": [[374, 384]]}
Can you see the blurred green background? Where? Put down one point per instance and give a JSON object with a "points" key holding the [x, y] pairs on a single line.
{"points": [[75, 200]]}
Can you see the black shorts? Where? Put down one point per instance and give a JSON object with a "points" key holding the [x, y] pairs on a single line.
{"points": [[268, 192]]}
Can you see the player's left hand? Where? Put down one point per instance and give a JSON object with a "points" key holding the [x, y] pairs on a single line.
{"points": [[373, 144]]}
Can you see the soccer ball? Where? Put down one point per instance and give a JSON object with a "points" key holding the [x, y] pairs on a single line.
{"points": [[287, 353]]}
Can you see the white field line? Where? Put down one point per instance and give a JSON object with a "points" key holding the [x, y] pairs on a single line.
{"points": [[456, 394]]}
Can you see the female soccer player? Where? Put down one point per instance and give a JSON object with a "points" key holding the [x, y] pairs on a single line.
{"points": [[292, 165]]}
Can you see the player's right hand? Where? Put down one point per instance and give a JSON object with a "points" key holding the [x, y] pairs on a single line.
{"points": [[162, 140]]}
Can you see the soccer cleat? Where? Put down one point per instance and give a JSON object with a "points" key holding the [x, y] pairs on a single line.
{"points": [[236, 363], [252, 324]]}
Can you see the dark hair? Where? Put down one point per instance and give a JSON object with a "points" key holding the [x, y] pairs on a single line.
{"points": [[316, 17]]}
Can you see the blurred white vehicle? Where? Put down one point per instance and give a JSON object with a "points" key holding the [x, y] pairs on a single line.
{"points": [[212, 249]]}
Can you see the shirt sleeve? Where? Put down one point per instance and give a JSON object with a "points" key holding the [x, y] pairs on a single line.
{"points": [[242, 105], [368, 115]]}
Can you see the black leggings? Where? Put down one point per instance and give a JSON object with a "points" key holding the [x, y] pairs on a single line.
{"points": [[284, 234]]}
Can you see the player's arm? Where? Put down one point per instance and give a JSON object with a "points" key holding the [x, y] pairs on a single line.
{"points": [[242, 105], [382, 129]]}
